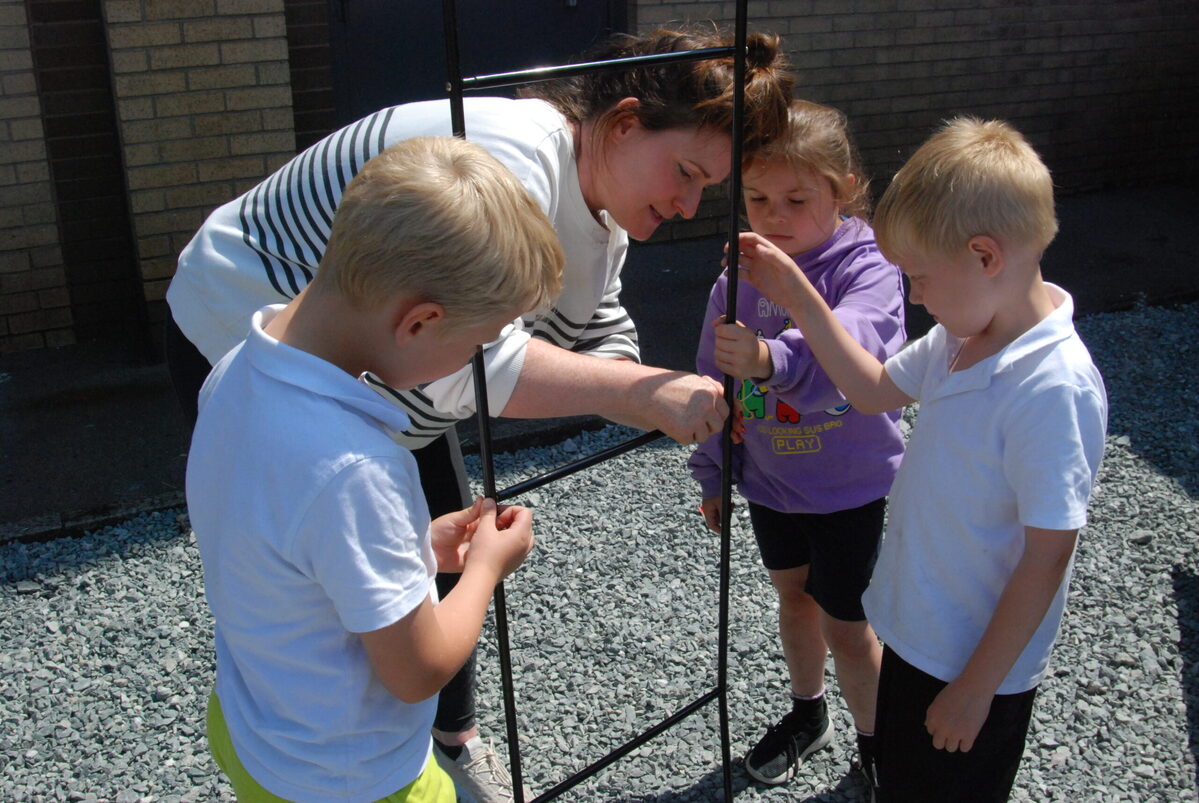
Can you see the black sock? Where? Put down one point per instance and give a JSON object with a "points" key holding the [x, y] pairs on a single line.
{"points": [[451, 750], [810, 710]]}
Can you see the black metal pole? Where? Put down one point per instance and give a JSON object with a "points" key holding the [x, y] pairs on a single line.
{"points": [[578, 465], [730, 397], [456, 86], [501, 602], [627, 747], [536, 74], [458, 123]]}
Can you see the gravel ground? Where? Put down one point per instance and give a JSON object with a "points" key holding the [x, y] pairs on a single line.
{"points": [[107, 657]]}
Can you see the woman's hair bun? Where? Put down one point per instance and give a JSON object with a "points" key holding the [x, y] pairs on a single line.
{"points": [[762, 51]]}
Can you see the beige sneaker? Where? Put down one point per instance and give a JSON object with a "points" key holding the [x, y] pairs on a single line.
{"points": [[478, 773]]}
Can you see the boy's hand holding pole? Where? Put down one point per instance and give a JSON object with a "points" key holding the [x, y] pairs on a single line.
{"points": [[483, 537], [417, 655]]}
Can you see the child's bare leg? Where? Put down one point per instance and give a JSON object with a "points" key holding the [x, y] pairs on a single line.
{"points": [[806, 728], [858, 656], [804, 646]]}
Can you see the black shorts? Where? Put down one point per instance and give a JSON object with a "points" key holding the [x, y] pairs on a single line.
{"points": [[838, 548], [911, 770]]}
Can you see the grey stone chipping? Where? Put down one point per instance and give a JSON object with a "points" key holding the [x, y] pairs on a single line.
{"points": [[106, 658]]}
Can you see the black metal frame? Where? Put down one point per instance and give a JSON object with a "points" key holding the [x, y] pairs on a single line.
{"points": [[457, 85]]}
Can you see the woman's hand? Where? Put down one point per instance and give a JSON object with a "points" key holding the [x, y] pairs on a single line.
{"points": [[739, 352], [556, 382], [687, 407]]}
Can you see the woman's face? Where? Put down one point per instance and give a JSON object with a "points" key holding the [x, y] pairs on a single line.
{"points": [[644, 177]]}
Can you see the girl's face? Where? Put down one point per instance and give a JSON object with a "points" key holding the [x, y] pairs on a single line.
{"points": [[795, 210], [644, 177]]}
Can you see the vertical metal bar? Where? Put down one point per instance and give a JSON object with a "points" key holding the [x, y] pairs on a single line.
{"points": [[501, 602], [730, 397], [458, 124], [449, 21]]}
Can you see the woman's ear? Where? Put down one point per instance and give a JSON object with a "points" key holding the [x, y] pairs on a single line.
{"points": [[626, 115]]}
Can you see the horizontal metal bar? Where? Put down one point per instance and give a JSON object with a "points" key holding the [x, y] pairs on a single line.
{"points": [[537, 74], [627, 747], [570, 468]]}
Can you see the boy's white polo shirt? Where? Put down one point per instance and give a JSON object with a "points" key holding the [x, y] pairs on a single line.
{"points": [[312, 528], [1013, 441]]}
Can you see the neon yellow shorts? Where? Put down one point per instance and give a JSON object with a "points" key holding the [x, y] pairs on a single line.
{"points": [[431, 786]]}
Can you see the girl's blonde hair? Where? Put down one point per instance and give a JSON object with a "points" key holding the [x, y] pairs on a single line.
{"points": [[817, 138], [440, 219], [971, 177]]}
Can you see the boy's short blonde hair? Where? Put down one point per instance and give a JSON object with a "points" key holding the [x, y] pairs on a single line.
{"points": [[440, 219], [972, 177]]}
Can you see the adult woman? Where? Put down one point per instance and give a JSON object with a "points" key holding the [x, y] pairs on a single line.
{"points": [[602, 154]]}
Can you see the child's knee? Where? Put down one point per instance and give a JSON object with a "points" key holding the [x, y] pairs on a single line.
{"points": [[793, 599], [849, 640]]}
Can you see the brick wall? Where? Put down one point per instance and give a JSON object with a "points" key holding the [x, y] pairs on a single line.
{"points": [[1107, 92], [204, 107], [202, 97], [34, 309]]}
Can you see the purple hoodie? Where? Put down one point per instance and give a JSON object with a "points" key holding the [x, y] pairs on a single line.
{"points": [[806, 449]]}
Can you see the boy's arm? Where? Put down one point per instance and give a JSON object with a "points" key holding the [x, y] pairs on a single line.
{"points": [[417, 655], [856, 372], [958, 712]]}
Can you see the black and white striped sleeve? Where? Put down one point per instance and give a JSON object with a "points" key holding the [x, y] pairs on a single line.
{"points": [[287, 218]]}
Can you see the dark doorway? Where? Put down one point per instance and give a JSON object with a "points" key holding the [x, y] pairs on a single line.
{"points": [[387, 52], [71, 64]]}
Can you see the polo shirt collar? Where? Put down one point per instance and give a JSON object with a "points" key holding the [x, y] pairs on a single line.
{"points": [[1053, 328], [312, 374]]}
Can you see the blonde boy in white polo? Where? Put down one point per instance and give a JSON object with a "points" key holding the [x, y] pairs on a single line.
{"points": [[971, 580], [318, 552]]}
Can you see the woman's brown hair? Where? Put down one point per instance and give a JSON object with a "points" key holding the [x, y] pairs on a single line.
{"points": [[689, 94]]}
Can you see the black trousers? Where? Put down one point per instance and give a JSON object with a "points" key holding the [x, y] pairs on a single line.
{"points": [[442, 477], [911, 770]]}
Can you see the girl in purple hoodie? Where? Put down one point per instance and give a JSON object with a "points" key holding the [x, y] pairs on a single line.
{"points": [[814, 471]]}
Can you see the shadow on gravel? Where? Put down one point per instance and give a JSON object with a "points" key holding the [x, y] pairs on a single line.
{"points": [[1186, 596], [39, 564], [1154, 361], [711, 787]]}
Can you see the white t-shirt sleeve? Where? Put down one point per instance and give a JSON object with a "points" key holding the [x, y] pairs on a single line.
{"points": [[909, 369], [364, 540], [1052, 447]]}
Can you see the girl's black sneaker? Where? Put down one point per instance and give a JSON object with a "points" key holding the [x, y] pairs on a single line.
{"points": [[776, 758]]}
